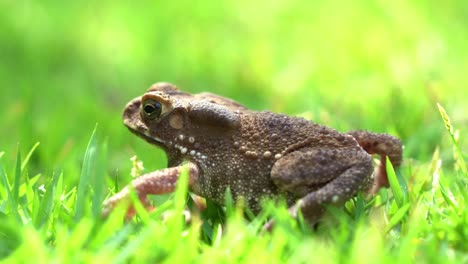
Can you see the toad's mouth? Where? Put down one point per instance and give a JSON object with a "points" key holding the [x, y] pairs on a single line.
{"points": [[144, 134]]}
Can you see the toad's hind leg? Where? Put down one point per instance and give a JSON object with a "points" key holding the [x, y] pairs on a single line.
{"points": [[322, 176], [384, 145]]}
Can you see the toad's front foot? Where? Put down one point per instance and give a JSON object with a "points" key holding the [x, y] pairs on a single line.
{"points": [[157, 182]]}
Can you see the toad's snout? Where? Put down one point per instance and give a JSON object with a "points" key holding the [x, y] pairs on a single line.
{"points": [[131, 114]]}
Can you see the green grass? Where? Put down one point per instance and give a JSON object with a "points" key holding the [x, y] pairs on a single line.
{"points": [[390, 67]]}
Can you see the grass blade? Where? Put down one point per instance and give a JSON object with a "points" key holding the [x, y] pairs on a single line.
{"points": [[180, 200], [131, 247], [98, 180], [448, 125], [395, 184], [28, 157], [398, 216], [86, 176], [11, 201], [16, 185], [448, 196], [47, 204]]}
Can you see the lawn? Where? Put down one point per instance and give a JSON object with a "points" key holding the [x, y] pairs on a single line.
{"points": [[67, 69]]}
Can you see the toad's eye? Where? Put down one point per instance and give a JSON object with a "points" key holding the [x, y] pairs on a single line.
{"points": [[152, 109]]}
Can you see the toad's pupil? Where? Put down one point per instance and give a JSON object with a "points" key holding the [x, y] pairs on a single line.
{"points": [[153, 108], [149, 109]]}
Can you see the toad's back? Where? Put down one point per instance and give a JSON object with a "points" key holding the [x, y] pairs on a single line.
{"points": [[243, 160]]}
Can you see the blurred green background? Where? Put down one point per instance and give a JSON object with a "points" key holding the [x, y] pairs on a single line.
{"points": [[377, 65]]}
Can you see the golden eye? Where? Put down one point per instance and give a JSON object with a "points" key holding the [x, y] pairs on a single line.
{"points": [[152, 109]]}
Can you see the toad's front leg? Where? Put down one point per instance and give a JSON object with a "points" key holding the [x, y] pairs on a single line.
{"points": [[156, 182], [319, 176]]}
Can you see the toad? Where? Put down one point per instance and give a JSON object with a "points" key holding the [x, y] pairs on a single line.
{"points": [[256, 155]]}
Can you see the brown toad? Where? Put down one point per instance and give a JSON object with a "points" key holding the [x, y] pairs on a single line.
{"points": [[255, 154]]}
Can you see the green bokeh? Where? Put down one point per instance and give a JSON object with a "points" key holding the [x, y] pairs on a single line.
{"points": [[377, 65]]}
